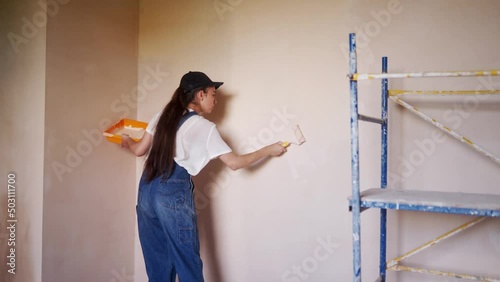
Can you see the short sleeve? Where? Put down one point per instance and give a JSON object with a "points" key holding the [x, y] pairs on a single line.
{"points": [[216, 145], [198, 142], [151, 128]]}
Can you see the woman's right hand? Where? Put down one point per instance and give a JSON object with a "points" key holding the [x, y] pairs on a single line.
{"points": [[276, 149]]}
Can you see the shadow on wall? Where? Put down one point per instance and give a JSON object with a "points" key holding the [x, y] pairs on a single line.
{"points": [[206, 222], [211, 181], [208, 236]]}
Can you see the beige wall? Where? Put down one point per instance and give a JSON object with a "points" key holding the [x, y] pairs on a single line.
{"points": [[22, 100], [60, 88], [88, 215], [284, 62]]}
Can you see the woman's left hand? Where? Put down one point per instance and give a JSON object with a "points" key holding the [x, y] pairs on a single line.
{"points": [[125, 141]]}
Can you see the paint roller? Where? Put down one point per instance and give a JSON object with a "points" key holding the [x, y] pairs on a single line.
{"points": [[298, 134]]}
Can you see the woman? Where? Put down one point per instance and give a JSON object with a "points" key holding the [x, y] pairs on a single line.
{"points": [[180, 143]]}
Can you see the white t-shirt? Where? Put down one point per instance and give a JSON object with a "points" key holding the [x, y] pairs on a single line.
{"points": [[197, 142]]}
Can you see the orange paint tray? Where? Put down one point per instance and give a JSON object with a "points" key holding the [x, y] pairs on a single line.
{"points": [[133, 128]]}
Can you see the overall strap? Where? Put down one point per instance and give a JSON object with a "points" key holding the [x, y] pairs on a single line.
{"points": [[176, 169], [185, 117]]}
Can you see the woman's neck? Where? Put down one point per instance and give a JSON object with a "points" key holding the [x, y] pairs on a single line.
{"points": [[195, 108]]}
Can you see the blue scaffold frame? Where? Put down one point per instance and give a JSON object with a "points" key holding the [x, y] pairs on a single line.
{"points": [[407, 200]]}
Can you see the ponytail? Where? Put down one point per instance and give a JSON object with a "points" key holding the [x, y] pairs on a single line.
{"points": [[160, 160]]}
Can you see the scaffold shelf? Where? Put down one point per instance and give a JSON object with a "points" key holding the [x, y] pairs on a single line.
{"points": [[432, 201]]}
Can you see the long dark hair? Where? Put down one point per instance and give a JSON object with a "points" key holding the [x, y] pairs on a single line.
{"points": [[160, 159]]}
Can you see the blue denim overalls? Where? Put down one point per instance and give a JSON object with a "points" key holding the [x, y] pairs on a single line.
{"points": [[167, 224]]}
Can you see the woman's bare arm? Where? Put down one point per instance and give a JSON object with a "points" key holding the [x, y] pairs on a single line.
{"points": [[140, 147], [235, 161]]}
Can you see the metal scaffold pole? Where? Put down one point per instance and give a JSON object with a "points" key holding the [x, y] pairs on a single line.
{"points": [[356, 231], [383, 170]]}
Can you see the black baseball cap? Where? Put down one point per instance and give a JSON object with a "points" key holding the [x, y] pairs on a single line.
{"points": [[197, 80]]}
